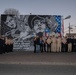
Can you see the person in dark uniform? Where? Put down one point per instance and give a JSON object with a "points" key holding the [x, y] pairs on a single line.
{"points": [[38, 43], [11, 44], [64, 41], [35, 42], [72, 43], [1, 45], [44, 44], [41, 44], [7, 44], [75, 44], [3, 42]]}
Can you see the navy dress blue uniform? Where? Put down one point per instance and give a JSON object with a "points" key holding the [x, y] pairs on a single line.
{"points": [[11, 45], [35, 40], [75, 45], [41, 44], [3, 40], [2, 44], [36, 43], [72, 44], [64, 44]]}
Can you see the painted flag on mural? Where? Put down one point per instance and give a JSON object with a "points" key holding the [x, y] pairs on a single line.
{"points": [[60, 28]]}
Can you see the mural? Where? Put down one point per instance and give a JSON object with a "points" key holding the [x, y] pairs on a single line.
{"points": [[23, 28]]}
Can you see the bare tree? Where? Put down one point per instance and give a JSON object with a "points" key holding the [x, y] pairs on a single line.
{"points": [[11, 11]]}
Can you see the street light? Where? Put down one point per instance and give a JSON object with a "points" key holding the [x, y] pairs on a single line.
{"points": [[68, 17]]}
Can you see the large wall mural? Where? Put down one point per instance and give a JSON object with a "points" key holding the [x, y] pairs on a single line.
{"points": [[23, 28]]}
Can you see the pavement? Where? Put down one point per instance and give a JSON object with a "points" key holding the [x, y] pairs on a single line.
{"points": [[30, 58]]}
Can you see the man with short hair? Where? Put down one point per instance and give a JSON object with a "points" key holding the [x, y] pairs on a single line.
{"points": [[53, 43], [64, 41], [48, 44], [59, 44]]}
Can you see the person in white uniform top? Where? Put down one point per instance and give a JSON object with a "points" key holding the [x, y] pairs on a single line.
{"points": [[53, 44], [59, 44]]}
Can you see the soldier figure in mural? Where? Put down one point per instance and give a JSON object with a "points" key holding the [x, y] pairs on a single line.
{"points": [[39, 28], [19, 26], [51, 23], [40, 23], [37, 24]]}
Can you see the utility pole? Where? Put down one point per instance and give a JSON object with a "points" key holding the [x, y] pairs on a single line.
{"points": [[69, 29]]}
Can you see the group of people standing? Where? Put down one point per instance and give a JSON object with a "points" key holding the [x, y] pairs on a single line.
{"points": [[54, 44], [42, 44], [6, 44]]}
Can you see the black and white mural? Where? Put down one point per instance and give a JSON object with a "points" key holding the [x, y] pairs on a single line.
{"points": [[23, 28]]}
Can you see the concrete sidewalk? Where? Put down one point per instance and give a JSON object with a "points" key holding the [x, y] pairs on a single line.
{"points": [[30, 58]]}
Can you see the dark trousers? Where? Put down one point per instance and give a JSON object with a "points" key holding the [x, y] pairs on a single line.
{"points": [[41, 47], [64, 47], [1, 49], [35, 48], [44, 46], [11, 47], [72, 47], [48, 47]]}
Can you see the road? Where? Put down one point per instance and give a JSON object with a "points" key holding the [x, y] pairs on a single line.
{"points": [[22, 69]]}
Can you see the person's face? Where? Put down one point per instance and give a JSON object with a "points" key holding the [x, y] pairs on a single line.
{"points": [[52, 24], [39, 26], [10, 22]]}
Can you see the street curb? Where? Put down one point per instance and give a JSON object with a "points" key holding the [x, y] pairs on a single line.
{"points": [[39, 63]]}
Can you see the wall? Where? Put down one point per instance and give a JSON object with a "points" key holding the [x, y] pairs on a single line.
{"points": [[23, 28]]}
